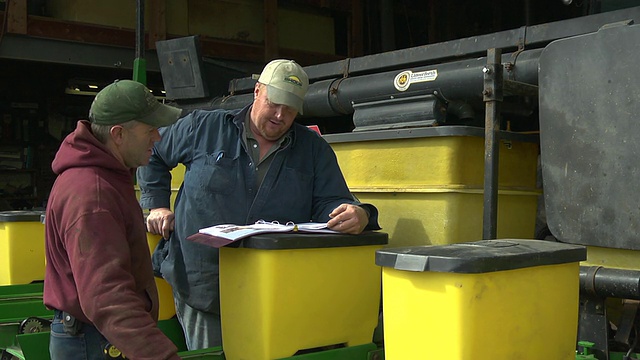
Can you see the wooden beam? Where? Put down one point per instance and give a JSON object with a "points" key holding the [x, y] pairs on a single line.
{"points": [[221, 49], [17, 16], [157, 22], [342, 6], [432, 31], [306, 58], [356, 37], [270, 30], [80, 32], [45, 27]]}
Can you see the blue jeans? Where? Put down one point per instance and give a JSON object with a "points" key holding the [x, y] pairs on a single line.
{"points": [[87, 344], [201, 329]]}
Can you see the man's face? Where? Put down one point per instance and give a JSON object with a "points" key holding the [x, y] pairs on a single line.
{"points": [[268, 120], [137, 143]]}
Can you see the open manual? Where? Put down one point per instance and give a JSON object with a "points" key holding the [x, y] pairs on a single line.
{"points": [[221, 235]]}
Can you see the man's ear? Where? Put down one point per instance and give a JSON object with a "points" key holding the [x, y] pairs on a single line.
{"points": [[117, 134], [256, 91]]}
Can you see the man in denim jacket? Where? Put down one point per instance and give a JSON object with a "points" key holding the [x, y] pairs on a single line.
{"points": [[241, 166]]}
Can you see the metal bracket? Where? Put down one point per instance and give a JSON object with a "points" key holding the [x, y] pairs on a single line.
{"points": [[616, 24], [376, 355], [345, 69], [627, 321], [593, 325]]}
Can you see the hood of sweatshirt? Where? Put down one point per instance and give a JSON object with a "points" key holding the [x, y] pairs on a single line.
{"points": [[82, 149]]}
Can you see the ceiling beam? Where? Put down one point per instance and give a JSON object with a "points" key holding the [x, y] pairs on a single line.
{"points": [[270, 30], [356, 34], [343, 6], [48, 28], [157, 22], [17, 16]]}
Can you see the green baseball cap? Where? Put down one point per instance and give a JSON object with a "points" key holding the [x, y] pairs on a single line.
{"points": [[287, 83], [126, 100]]}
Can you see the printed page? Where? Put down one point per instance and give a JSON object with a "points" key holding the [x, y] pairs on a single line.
{"points": [[314, 227], [234, 232], [221, 235]]}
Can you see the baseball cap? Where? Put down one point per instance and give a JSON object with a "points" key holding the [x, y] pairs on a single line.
{"points": [[287, 83], [126, 100]]}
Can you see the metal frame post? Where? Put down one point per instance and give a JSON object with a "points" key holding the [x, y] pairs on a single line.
{"points": [[492, 96], [139, 63]]}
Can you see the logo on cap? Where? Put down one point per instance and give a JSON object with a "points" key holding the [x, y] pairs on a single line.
{"points": [[293, 80]]}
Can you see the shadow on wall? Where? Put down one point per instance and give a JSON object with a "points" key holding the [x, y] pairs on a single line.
{"points": [[414, 227]]}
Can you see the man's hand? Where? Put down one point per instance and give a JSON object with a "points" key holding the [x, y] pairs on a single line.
{"points": [[348, 219], [161, 222]]}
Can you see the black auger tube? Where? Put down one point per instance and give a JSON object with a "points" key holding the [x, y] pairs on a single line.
{"points": [[456, 80], [609, 282]]}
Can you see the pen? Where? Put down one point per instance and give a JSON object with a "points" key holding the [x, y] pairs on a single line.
{"points": [[220, 156]]}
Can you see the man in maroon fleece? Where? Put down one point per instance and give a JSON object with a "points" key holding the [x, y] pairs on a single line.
{"points": [[99, 279]]}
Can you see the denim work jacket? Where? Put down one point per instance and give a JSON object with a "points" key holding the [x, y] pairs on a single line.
{"points": [[304, 183]]}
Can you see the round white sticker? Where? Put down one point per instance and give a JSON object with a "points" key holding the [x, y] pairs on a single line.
{"points": [[404, 79]]}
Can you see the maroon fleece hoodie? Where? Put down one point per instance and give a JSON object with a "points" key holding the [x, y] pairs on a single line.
{"points": [[98, 262]]}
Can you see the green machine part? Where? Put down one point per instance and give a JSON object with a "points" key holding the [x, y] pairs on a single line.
{"points": [[24, 322], [359, 352], [584, 354], [19, 303], [172, 329], [140, 71], [622, 356], [21, 311], [33, 346]]}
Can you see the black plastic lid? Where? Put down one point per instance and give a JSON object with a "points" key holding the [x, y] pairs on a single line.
{"points": [[281, 241], [20, 215], [481, 256], [424, 132]]}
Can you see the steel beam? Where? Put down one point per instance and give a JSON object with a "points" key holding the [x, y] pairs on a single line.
{"points": [[72, 53]]}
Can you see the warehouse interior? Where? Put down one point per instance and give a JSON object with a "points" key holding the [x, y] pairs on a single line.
{"points": [[56, 54]]}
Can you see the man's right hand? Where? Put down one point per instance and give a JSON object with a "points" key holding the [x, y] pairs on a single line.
{"points": [[161, 222]]}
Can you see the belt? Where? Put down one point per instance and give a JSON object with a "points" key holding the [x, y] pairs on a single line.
{"points": [[72, 326]]}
